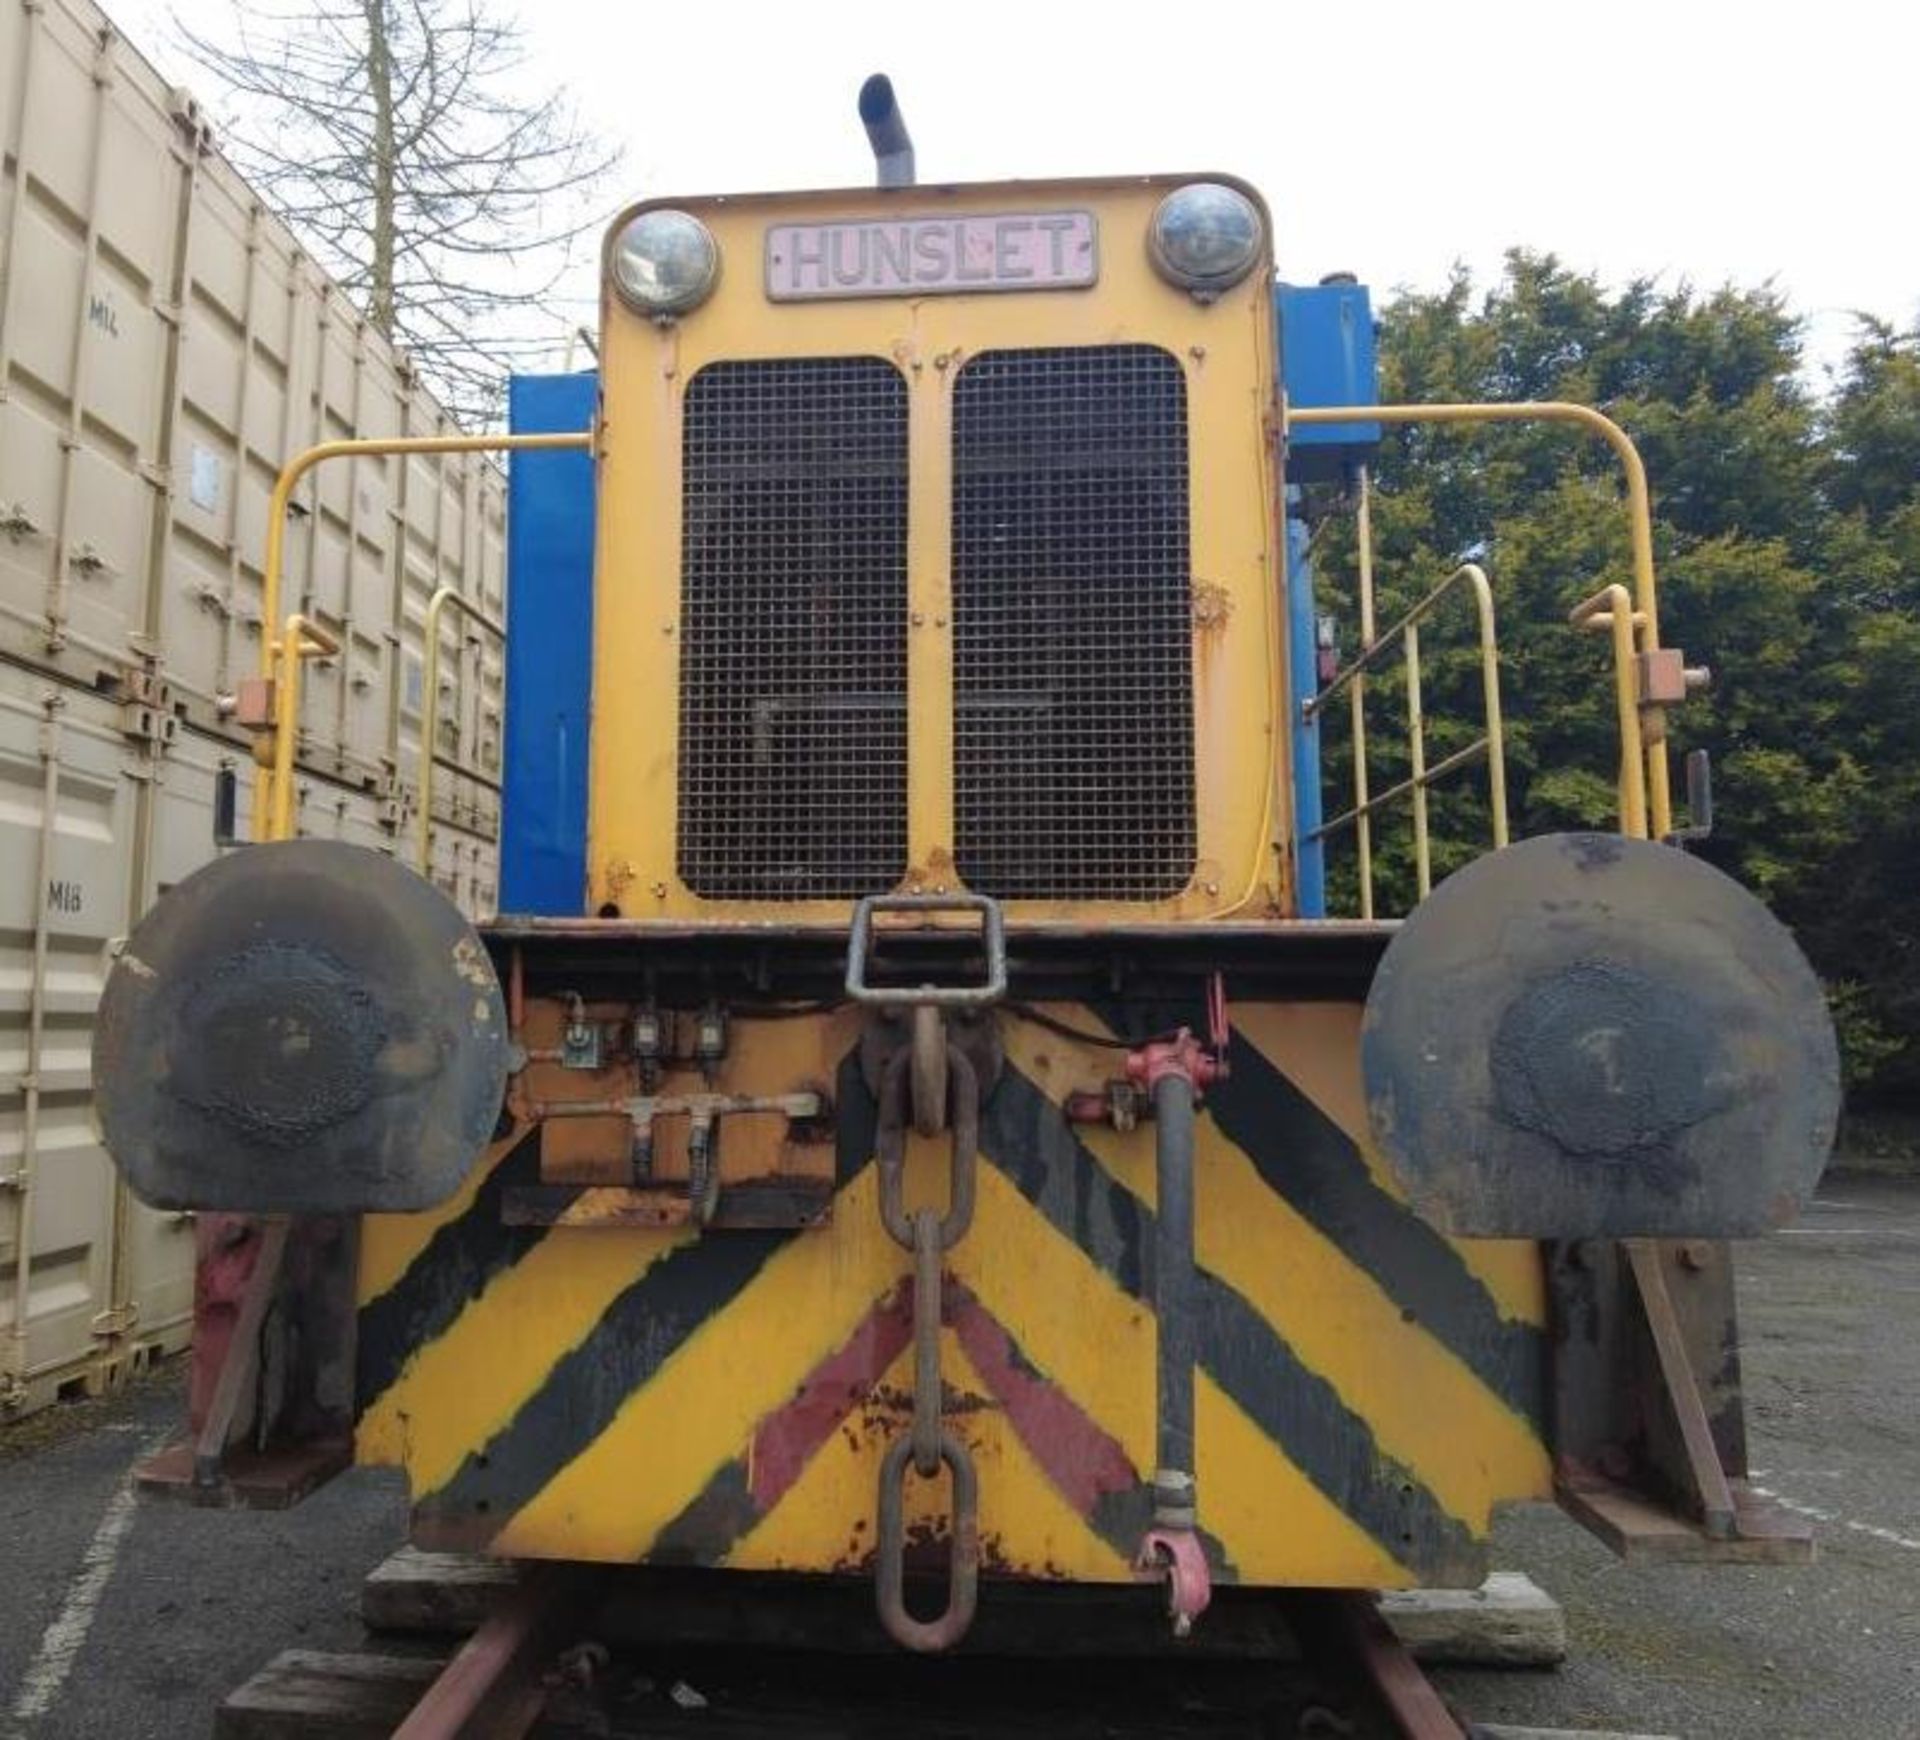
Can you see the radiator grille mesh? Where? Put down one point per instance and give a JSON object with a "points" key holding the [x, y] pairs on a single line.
{"points": [[793, 657], [1073, 624]]}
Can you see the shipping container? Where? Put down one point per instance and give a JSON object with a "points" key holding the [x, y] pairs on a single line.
{"points": [[97, 819], [165, 347]]}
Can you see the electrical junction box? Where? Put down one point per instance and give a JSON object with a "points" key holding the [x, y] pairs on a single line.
{"points": [[1327, 358]]}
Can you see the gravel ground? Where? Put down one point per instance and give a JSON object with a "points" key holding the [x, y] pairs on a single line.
{"points": [[189, 1603]]}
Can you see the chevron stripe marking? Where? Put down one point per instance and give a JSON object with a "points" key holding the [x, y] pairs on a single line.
{"points": [[1027, 1137], [672, 1382], [450, 1268], [1306, 1159], [1386, 1366], [1316, 1046], [743, 1489]]}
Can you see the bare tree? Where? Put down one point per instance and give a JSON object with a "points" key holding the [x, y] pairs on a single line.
{"points": [[400, 140]]}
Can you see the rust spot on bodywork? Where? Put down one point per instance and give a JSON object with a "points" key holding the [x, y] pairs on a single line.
{"points": [[1212, 605]]}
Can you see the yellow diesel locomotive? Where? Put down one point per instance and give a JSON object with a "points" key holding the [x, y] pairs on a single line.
{"points": [[944, 1139]]}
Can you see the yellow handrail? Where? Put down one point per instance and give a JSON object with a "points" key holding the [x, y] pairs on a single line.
{"points": [[301, 639], [1357, 709], [430, 755], [1612, 608], [281, 503], [1491, 744], [1652, 733]]}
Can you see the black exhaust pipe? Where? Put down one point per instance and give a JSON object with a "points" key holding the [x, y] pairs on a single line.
{"points": [[886, 132]]}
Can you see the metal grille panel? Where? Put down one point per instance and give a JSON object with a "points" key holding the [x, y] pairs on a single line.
{"points": [[1073, 625], [793, 658]]}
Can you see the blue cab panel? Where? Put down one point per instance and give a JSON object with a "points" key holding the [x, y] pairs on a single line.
{"points": [[1303, 675], [550, 521], [1327, 358]]}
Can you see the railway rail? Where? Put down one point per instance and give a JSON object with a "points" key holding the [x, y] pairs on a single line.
{"points": [[623, 1653]]}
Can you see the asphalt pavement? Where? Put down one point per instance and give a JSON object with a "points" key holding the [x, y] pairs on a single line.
{"points": [[1830, 1330], [119, 1619]]}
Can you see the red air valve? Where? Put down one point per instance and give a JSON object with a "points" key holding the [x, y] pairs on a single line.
{"points": [[1183, 1055]]}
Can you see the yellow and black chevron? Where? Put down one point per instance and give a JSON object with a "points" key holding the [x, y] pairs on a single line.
{"points": [[1368, 1389]]}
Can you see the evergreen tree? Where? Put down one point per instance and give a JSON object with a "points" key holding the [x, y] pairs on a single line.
{"points": [[1788, 542]]}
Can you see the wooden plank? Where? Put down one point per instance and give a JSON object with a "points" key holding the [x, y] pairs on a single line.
{"points": [[1509, 1621], [305, 1693], [441, 1594]]}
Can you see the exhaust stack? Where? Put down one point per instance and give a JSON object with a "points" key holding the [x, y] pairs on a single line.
{"points": [[886, 132]]}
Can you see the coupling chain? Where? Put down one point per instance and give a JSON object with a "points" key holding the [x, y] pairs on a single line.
{"points": [[928, 1444]]}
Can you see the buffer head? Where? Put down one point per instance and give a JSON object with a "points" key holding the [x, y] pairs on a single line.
{"points": [[1587, 1036], [304, 1027]]}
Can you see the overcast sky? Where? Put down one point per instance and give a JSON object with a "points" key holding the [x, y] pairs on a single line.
{"points": [[1690, 140]]}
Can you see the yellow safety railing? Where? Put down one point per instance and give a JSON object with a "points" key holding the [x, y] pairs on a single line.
{"points": [[1489, 746], [274, 747], [1650, 737], [430, 756], [298, 641], [1611, 608]]}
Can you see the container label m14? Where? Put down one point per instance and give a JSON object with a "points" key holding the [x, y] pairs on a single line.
{"points": [[1039, 250]]}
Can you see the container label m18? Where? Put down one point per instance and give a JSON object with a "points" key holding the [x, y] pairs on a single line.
{"points": [[1039, 250]]}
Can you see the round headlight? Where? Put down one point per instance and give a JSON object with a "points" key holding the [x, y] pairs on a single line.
{"points": [[1205, 237], [665, 262]]}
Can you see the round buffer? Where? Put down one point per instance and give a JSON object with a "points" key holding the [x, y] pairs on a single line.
{"points": [[304, 1027], [1588, 1036]]}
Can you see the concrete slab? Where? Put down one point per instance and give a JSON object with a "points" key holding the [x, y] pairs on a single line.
{"points": [[1509, 1621]]}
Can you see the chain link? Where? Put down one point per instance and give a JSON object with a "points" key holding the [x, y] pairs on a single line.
{"points": [[926, 1343], [890, 1147], [928, 1235]]}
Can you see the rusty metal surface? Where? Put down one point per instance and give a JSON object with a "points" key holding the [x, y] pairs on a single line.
{"points": [[240, 1370], [521, 927], [1682, 1389], [1591, 1036], [1416, 1708], [274, 1479], [270, 1387], [1343, 1632], [1642, 1531], [747, 963], [890, 1152], [929, 1442], [865, 985], [806, 1318], [1648, 1425], [491, 1689], [226, 1249], [304, 1027], [763, 1202]]}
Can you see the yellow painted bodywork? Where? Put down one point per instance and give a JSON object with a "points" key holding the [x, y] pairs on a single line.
{"points": [[1226, 351], [615, 1495], [527, 1425]]}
